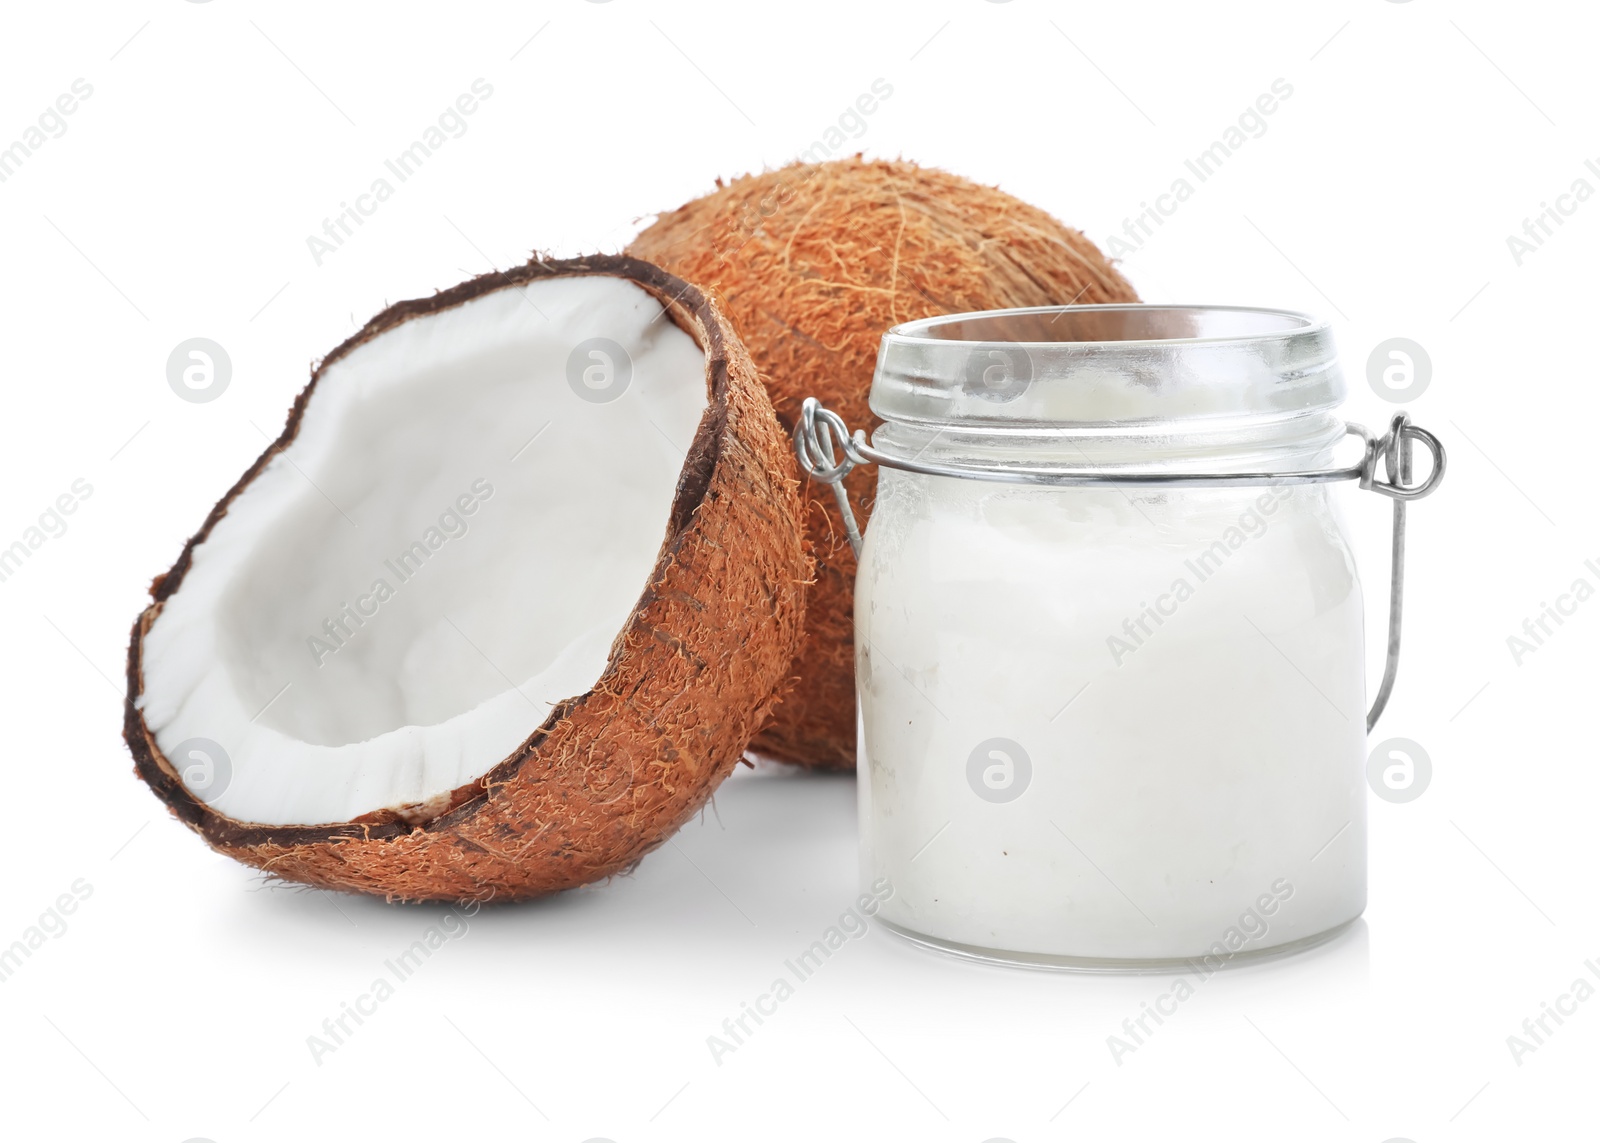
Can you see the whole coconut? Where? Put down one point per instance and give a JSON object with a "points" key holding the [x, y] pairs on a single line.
{"points": [[813, 262]]}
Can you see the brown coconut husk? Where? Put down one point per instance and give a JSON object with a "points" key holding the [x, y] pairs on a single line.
{"points": [[612, 773], [813, 263]]}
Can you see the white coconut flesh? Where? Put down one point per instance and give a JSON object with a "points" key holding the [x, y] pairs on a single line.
{"points": [[447, 549]]}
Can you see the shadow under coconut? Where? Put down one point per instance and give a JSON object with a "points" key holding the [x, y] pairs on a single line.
{"points": [[773, 853]]}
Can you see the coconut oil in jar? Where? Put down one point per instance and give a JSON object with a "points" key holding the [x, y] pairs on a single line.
{"points": [[1111, 726]]}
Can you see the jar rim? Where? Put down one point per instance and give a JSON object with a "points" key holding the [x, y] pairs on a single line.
{"points": [[1121, 364], [1295, 323]]}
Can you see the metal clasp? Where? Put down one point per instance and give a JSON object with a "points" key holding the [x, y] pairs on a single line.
{"points": [[820, 430]]}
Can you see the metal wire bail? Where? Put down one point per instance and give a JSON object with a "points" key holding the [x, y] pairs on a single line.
{"points": [[820, 428], [813, 447]]}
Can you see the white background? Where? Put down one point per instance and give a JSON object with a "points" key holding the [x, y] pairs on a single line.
{"points": [[177, 204]]}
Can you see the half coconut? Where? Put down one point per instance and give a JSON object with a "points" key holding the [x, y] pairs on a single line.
{"points": [[500, 608]]}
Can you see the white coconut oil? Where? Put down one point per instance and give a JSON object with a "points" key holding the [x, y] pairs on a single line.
{"points": [[1114, 724]]}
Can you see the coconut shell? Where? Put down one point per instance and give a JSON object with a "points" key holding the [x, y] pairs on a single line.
{"points": [[612, 773], [814, 262]]}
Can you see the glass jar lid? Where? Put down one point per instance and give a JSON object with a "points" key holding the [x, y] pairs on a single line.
{"points": [[1106, 366]]}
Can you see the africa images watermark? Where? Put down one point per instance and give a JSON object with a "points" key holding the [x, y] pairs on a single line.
{"points": [[850, 125], [1536, 1029], [1538, 629], [852, 925], [52, 124], [1253, 925], [51, 525], [350, 618], [337, 1030], [1539, 229], [1251, 124], [52, 923], [1252, 525], [451, 124]]}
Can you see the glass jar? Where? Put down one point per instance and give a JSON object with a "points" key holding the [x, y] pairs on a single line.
{"points": [[1109, 636]]}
